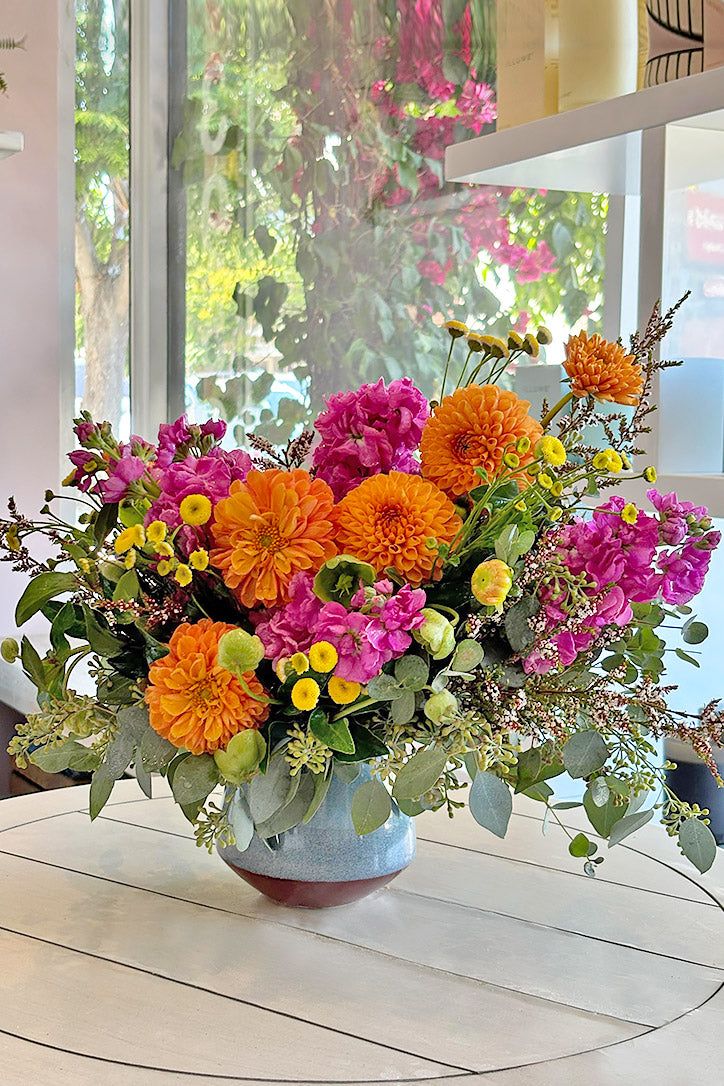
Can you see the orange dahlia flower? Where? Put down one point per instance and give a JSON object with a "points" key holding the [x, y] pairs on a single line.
{"points": [[471, 429], [602, 369], [271, 526], [388, 519], [192, 701]]}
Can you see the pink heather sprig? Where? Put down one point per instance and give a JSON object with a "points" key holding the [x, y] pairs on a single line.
{"points": [[375, 429]]}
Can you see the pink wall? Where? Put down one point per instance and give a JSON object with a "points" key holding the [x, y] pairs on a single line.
{"points": [[36, 255]]}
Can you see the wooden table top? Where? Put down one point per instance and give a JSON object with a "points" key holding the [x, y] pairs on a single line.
{"points": [[129, 957]]}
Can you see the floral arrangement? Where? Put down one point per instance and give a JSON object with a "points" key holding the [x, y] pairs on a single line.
{"points": [[438, 589]]}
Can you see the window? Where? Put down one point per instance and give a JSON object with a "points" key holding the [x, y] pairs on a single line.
{"points": [[320, 244], [102, 210]]}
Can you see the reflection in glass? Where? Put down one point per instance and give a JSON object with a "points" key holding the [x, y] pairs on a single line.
{"points": [[322, 247], [101, 225]]}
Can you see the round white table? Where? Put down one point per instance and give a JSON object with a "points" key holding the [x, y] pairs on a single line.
{"points": [[129, 957]]}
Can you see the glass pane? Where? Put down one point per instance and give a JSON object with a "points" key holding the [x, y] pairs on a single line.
{"points": [[102, 211], [322, 247], [694, 261]]}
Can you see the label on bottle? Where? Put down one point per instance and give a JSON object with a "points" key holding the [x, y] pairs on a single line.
{"points": [[521, 62]]}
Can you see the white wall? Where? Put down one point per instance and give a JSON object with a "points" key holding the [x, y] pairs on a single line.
{"points": [[36, 257]]}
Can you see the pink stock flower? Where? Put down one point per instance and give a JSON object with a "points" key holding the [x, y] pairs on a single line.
{"points": [[394, 618], [370, 431], [291, 628], [359, 661], [122, 473]]}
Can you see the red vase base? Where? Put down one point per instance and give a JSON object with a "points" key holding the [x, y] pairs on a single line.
{"points": [[312, 895]]}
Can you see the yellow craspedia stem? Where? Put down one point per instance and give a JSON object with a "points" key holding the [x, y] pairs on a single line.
{"points": [[629, 514], [323, 656], [343, 692], [129, 537], [491, 582], [183, 575], [195, 509], [156, 532], [305, 694], [199, 559], [551, 450]]}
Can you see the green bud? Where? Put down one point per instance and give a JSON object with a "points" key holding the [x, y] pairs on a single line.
{"points": [[240, 652], [437, 634], [340, 577], [241, 758], [442, 707], [9, 650]]}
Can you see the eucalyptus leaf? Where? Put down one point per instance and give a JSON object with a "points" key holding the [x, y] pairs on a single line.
{"points": [[155, 751], [584, 753], [293, 812], [144, 780], [581, 847], [119, 754], [384, 688], [322, 782], [371, 807], [629, 824], [697, 843], [134, 720], [241, 822], [419, 774], [54, 759], [412, 672], [468, 655], [366, 746], [600, 791], [402, 710], [491, 803], [604, 818], [346, 771], [694, 632], [100, 790], [194, 779], [517, 623], [270, 791]]}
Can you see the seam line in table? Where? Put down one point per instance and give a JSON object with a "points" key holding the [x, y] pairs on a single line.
{"points": [[220, 1075], [554, 927], [457, 1068], [396, 889], [490, 984], [656, 859], [561, 870]]}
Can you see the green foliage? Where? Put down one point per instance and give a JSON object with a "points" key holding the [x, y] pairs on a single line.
{"points": [[491, 803], [697, 843], [420, 774], [584, 753], [371, 806]]}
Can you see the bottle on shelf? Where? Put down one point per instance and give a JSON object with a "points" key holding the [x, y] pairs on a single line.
{"points": [[676, 40], [527, 62], [598, 42]]}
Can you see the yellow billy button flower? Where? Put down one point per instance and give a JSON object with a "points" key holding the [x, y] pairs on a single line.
{"points": [[476, 341], [544, 336], [164, 549], [556, 513], [156, 532], [196, 509], [629, 513], [491, 582], [130, 560], [557, 489], [498, 347], [515, 340], [531, 345], [523, 445], [164, 568], [282, 669], [520, 506], [323, 656], [545, 480], [551, 450], [343, 692], [129, 537], [299, 663], [183, 575], [511, 460], [456, 328], [608, 460], [305, 695], [199, 559], [650, 475]]}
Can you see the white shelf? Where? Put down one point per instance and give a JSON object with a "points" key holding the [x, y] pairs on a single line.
{"points": [[10, 143], [594, 149]]}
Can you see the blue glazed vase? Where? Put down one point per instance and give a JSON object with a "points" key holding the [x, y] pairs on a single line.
{"points": [[325, 862]]}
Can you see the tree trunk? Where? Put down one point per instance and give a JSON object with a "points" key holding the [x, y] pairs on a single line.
{"points": [[104, 295]]}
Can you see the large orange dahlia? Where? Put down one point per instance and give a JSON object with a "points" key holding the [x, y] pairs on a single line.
{"points": [[271, 526], [388, 519], [472, 429], [602, 369], [192, 701]]}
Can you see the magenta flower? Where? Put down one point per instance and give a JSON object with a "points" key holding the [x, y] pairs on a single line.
{"points": [[122, 474], [210, 475], [370, 431], [393, 618], [293, 627], [359, 660]]}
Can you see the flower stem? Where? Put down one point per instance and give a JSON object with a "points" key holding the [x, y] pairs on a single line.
{"points": [[447, 366], [550, 415]]}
